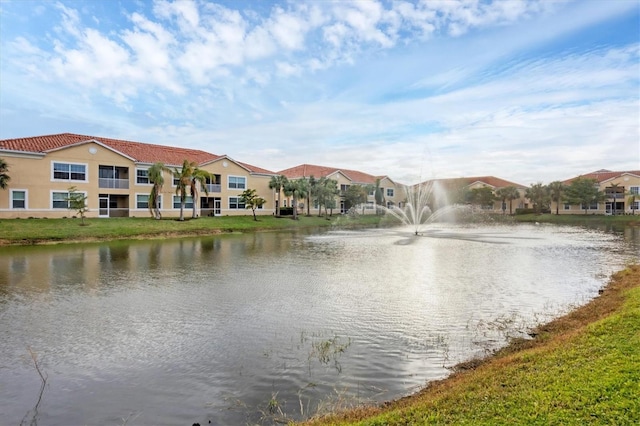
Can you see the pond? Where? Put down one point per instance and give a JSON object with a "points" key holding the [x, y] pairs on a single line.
{"points": [[250, 329]]}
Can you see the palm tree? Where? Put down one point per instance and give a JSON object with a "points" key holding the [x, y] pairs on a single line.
{"points": [[556, 191], [633, 197], [155, 174], [378, 195], [184, 181], [198, 176], [311, 184], [295, 188], [614, 193], [4, 176], [277, 183], [508, 193]]}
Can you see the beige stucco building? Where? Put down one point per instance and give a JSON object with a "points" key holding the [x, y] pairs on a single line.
{"points": [[393, 193], [112, 174], [621, 194]]}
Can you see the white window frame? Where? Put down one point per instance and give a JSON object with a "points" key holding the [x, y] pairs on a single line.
{"points": [[238, 203], [187, 204], [138, 202], [26, 199], [390, 192], [86, 171], [142, 183], [634, 190], [244, 185], [84, 193], [567, 206]]}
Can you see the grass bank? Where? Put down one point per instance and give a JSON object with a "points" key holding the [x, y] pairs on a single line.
{"points": [[583, 368], [589, 220], [48, 231]]}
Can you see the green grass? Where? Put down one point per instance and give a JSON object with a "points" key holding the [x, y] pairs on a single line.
{"points": [[582, 369], [580, 219], [38, 231]]}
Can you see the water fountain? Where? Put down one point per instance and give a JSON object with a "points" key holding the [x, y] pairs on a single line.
{"points": [[425, 203]]}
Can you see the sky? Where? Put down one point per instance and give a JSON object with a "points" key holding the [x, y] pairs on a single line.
{"points": [[529, 91]]}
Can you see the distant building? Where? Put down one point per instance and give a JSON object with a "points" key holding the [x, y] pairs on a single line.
{"points": [[113, 175], [392, 193], [457, 190], [621, 190]]}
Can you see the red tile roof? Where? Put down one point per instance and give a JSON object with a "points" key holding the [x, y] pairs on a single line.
{"points": [[308, 170], [487, 180], [603, 175], [139, 152]]}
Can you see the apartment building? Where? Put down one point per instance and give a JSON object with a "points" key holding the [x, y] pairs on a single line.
{"points": [[455, 190], [113, 175], [393, 193], [621, 191]]}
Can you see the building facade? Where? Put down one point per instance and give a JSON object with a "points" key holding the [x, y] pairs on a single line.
{"points": [[113, 175], [621, 191], [456, 191], [392, 193]]}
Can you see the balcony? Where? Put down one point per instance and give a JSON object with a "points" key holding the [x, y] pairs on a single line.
{"points": [[113, 183], [213, 187], [113, 177]]}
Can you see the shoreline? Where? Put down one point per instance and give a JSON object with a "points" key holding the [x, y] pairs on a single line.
{"points": [[430, 402]]}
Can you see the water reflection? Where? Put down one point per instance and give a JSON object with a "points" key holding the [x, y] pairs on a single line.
{"points": [[216, 328]]}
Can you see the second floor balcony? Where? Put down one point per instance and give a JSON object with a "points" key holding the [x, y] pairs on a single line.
{"points": [[113, 177], [112, 183]]}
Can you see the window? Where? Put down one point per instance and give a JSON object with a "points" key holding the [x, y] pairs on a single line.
{"points": [[59, 200], [176, 181], [236, 203], [237, 182], [343, 187], [592, 206], [567, 206], [71, 172], [18, 199], [142, 176], [142, 201], [188, 202], [389, 192], [634, 190], [372, 192]]}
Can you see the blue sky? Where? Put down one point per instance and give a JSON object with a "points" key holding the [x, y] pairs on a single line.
{"points": [[529, 91]]}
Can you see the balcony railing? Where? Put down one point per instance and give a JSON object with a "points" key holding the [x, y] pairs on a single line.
{"points": [[113, 183], [214, 187]]}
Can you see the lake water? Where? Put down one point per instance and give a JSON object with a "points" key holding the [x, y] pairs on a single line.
{"points": [[249, 329]]}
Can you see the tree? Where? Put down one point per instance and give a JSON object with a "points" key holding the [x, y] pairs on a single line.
{"points": [[539, 196], [482, 196], [277, 183], [378, 195], [4, 176], [633, 197], [198, 178], [184, 181], [585, 192], [613, 190], [326, 191], [556, 193], [252, 201], [295, 188], [508, 193], [311, 191], [355, 195], [78, 202], [156, 177]]}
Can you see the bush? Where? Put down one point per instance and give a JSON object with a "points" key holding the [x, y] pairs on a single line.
{"points": [[286, 211], [532, 211]]}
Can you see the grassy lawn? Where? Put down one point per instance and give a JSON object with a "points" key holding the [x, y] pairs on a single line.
{"points": [[39, 231], [583, 368], [581, 219]]}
